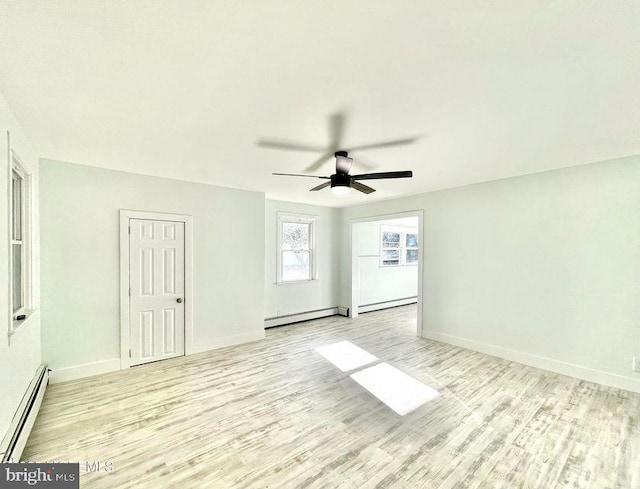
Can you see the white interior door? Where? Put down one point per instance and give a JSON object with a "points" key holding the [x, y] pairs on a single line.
{"points": [[156, 281]]}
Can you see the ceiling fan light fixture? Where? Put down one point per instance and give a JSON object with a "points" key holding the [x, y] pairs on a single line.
{"points": [[340, 190]]}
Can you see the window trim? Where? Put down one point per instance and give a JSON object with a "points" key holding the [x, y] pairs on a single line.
{"points": [[313, 261], [403, 231], [26, 230]]}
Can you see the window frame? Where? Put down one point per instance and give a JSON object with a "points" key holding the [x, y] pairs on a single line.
{"points": [[402, 249], [26, 242], [297, 219]]}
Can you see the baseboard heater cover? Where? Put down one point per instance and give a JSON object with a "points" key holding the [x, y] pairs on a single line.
{"points": [[16, 437], [300, 316], [386, 304]]}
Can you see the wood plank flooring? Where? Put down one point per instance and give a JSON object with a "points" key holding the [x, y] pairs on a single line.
{"points": [[275, 414]]}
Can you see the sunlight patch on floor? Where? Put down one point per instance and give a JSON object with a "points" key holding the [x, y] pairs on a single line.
{"points": [[346, 356], [393, 387], [399, 391]]}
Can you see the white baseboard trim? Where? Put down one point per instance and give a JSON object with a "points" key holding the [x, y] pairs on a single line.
{"points": [[386, 304], [544, 363], [302, 316], [86, 370], [113, 365], [225, 341]]}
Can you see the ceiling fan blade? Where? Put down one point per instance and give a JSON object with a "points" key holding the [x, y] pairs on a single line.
{"points": [[385, 174], [320, 187], [299, 175], [362, 187], [318, 163], [384, 144], [288, 145], [336, 130], [364, 163]]}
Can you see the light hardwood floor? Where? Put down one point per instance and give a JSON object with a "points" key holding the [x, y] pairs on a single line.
{"points": [[277, 414]]}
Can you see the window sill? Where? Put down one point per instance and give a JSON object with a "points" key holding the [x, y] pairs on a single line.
{"points": [[17, 325], [297, 282]]}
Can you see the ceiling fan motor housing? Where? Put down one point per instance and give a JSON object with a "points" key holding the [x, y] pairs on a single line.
{"points": [[340, 180]]}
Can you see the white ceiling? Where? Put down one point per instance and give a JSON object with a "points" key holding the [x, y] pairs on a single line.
{"points": [[185, 89]]}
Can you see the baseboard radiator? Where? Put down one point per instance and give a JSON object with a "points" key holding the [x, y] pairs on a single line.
{"points": [[16, 438], [304, 316], [300, 316], [387, 304]]}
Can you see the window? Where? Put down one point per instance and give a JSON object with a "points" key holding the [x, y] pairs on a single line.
{"points": [[296, 248], [390, 248], [20, 241], [411, 248], [398, 246]]}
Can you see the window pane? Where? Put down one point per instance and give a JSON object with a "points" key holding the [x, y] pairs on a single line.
{"points": [[390, 254], [295, 236], [296, 265], [412, 256], [412, 240], [16, 251], [390, 240], [390, 257], [16, 216]]}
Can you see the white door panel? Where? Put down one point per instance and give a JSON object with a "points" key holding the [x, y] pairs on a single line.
{"points": [[156, 279]]}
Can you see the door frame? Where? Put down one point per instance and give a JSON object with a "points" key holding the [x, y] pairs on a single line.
{"points": [[354, 289], [125, 320]]}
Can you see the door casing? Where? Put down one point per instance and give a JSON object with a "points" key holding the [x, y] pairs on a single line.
{"points": [[125, 338]]}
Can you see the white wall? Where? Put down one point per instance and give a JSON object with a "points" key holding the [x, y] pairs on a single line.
{"points": [[286, 299], [19, 357], [382, 284], [80, 259], [543, 268]]}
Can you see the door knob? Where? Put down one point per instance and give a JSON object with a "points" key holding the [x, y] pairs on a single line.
{"points": [[179, 300]]}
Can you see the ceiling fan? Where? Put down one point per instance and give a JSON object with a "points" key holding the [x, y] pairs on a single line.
{"points": [[341, 182]]}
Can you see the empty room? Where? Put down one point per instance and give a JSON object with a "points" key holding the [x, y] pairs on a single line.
{"points": [[264, 244]]}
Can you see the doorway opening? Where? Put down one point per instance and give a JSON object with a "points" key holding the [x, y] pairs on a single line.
{"points": [[386, 263]]}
